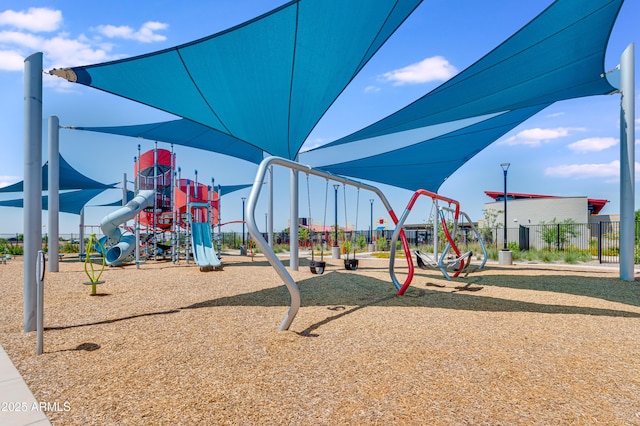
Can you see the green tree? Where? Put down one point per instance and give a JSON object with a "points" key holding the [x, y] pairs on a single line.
{"points": [[303, 234], [490, 223], [558, 233]]}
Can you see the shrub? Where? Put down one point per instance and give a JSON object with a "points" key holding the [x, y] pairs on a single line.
{"points": [[69, 248]]}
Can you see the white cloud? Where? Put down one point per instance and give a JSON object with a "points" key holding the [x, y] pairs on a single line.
{"points": [[435, 68], [8, 180], [11, 60], [21, 39], [61, 49], [64, 52], [371, 89], [592, 145], [36, 19], [146, 33], [314, 143], [609, 172], [538, 136]]}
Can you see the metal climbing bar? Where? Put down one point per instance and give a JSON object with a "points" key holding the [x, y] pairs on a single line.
{"points": [[399, 231], [289, 282]]}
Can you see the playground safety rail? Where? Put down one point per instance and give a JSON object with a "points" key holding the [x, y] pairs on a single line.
{"points": [[399, 223], [289, 282]]}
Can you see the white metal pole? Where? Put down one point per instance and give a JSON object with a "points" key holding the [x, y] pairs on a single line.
{"points": [[627, 164], [81, 238], [155, 203], [270, 209], [40, 311], [32, 211], [136, 221], [53, 191], [174, 226], [219, 221], [124, 189], [293, 228]]}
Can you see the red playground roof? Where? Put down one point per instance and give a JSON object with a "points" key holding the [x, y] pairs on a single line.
{"points": [[595, 205]]}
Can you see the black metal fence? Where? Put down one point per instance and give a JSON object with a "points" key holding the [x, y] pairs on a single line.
{"points": [[601, 240]]}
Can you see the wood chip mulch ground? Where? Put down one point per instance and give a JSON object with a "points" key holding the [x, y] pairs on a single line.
{"points": [[169, 345]]}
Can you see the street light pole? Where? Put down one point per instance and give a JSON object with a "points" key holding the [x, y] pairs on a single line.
{"points": [[335, 250], [335, 239], [371, 223], [505, 167]]}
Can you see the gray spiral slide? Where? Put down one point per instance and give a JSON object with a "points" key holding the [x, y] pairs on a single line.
{"points": [[124, 241]]}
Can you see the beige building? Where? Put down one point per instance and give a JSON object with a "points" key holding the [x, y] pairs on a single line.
{"points": [[526, 211], [533, 209]]}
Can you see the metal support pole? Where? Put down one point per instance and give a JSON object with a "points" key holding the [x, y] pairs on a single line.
{"points": [[155, 203], [505, 167], [53, 191], [218, 219], [243, 220], [40, 311], [32, 211], [335, 250], [505, 256], [627, 164], [81, 238], [124, 189], [371, 223], [293, 229], [137, 219], [335, 231], [270, 209]]}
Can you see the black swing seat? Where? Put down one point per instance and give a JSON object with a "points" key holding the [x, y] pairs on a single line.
{"points": [[351, 264], [424, 261], [454, 262], [317, 266]]}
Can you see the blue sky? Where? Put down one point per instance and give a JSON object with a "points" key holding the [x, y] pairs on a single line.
{"points": [[570, 149]]}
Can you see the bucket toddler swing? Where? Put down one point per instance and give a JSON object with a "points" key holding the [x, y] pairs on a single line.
{"points": [[351, 264], [317, 266]]}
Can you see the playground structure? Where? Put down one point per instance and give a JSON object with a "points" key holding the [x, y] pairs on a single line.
{"points": [[288, 280], [457, 262], [165, 203]]}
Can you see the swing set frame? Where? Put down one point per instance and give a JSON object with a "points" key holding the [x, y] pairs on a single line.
{"points": [[268, 252]]}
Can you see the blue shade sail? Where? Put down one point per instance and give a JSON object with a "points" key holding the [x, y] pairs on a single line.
{"points": [[69, 177], [69, 202], [228, 189], [266, 82], [428, 164], [187, 133], [118, 203], [559, 55], [297, 59]]}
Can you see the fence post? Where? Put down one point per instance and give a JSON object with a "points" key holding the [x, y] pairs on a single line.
{"points": [[600, 242]]}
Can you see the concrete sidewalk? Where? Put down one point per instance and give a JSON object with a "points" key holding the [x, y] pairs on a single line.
{"points": [[18, 406]]}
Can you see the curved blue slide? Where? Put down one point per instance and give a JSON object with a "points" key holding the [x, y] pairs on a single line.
{"points": [[202, 245], [124, 241]]}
